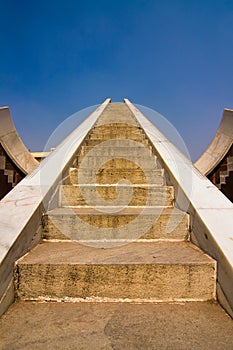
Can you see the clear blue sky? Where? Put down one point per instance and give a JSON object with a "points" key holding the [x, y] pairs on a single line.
{"points": [[174, 56]]}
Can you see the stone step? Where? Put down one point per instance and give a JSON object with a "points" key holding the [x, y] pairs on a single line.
{"points": [[107, 326], [91, 142], [129, 224], [116, 118], [118, 195], [116, 132], [161, 271], [116, 151], [115, 135], [89, 161], [121, 127], [113, 176]]}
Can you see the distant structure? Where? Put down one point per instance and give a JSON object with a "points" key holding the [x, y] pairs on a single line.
{"points": [[217, 161], [15, 159]]}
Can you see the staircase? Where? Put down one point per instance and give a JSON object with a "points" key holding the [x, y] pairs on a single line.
{"points": [[112, 241], [116, 235]]}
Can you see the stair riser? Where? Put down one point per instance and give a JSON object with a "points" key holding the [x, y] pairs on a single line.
{"points": [[107, 195], [120, 128], [113, 176], [111, 119], [118, 163], [111, 129], [69, 227], [117, 142], [128, 163], [161, 282], [124, 151]]}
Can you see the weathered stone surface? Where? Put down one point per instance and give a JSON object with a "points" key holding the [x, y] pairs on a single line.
{"points": [[115, 135], [119, 163], [168, 223], [111, 151], [92, 142], [137, 195], [110, 175], [161, 271], [110, 326]]}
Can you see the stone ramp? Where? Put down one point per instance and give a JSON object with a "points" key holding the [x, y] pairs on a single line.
{"points": [[112, 326]]}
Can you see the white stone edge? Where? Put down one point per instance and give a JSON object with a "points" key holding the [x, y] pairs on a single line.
{"points": [[22, 208], [211, 212]]}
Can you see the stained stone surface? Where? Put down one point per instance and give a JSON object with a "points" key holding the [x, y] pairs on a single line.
{"points": [[124, 326], [160, 271]]}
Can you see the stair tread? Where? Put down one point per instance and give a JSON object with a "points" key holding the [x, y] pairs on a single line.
{"points": [[145, 185], [193, 325], [62, 253], [129, 210]]}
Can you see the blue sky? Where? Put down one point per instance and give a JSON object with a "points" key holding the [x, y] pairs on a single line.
{"points": [[58, 57]]}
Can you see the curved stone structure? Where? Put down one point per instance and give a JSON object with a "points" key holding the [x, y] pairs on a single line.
{"points": [[15, 159], [217, 161], [219, 147], [13, 144]]}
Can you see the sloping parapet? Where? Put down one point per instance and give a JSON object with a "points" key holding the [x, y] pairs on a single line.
{"points": [[15, 159]]}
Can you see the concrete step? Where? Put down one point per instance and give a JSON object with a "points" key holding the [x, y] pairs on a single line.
{"points": [[116, 151], [161, 271], [113, 176], [92, 142], [145, 162], [116, 118], [115, 135], [120, 163], [132, 223], [119, 127], [107, 326], [105, 195]]}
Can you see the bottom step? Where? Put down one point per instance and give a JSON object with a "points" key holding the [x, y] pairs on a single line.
{"points": [[161, 271], [61, 326]]}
